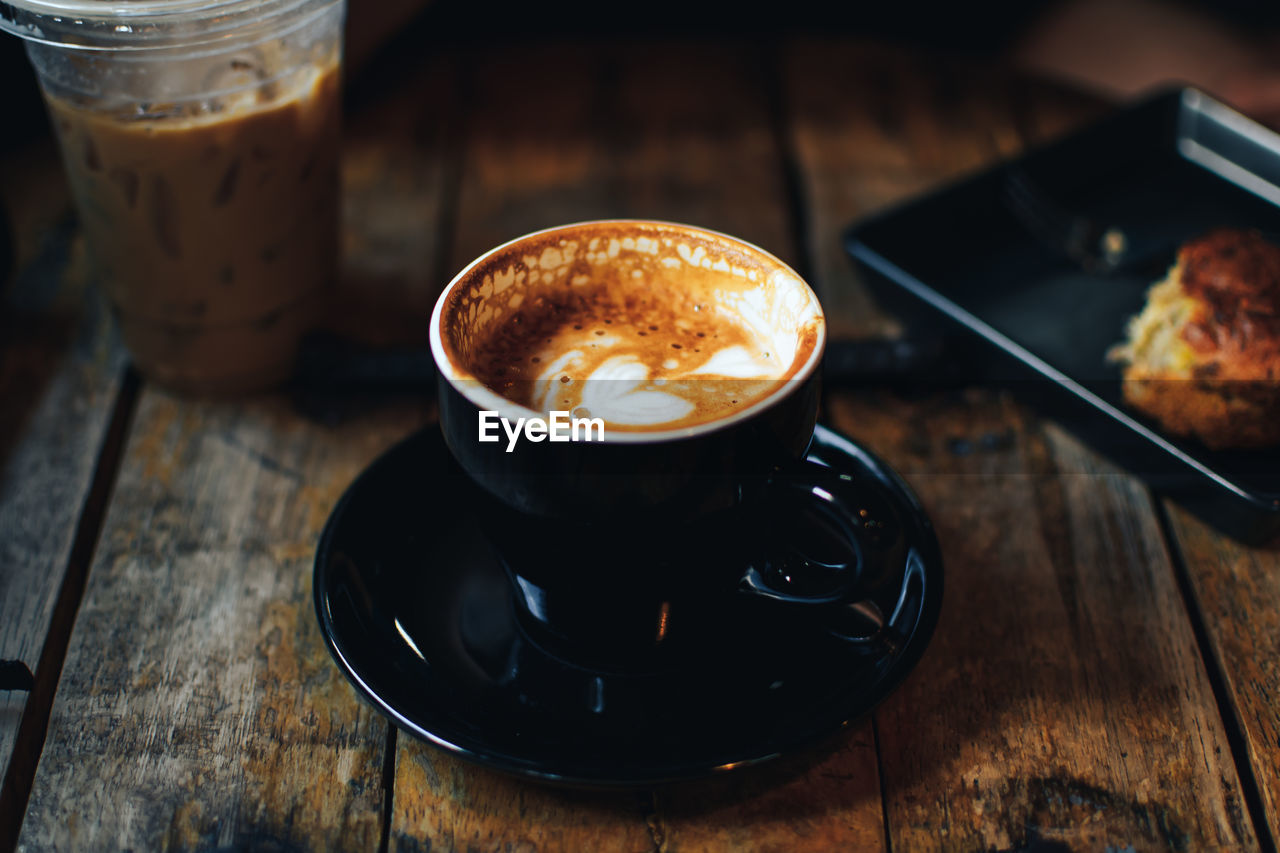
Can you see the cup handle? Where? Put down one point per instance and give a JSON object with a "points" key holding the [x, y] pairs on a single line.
{"points": [[839, 525]]}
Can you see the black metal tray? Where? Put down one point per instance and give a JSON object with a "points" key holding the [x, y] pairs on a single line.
{"points": [[959, 262]]}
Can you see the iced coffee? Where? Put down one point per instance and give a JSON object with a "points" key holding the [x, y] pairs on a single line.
{"points": [[214, 234], [204, 161]]}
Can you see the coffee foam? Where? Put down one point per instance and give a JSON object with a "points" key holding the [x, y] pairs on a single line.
{"points": [[647, 326]]}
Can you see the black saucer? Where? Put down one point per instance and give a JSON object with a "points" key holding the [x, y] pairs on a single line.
{"points": [[418, 614]]}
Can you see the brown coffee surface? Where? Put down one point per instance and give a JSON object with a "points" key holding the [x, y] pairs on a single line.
{"points": [[646, 357], [213, 232]]}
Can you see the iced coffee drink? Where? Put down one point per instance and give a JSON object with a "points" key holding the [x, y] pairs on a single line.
{"points": [[207, 184]]}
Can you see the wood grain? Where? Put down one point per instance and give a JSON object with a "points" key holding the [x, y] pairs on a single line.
{"points": [[399, 158], [831, 804], [702, 149], [12, 704], [1063, 698], [692, 131], [198, 705], [442, 803], [680, 132], [531, 120], [873, 125], [60, 372], [1237, 590], [60, 369]]}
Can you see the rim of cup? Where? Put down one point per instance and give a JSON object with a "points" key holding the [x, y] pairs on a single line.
{"points": [[160, 29], [487, 399]]}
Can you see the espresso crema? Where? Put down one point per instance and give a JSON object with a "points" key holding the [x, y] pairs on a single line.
{"points": [[646, 338]]}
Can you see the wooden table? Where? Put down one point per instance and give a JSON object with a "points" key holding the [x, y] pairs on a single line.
{"points": [[1106, 673]]}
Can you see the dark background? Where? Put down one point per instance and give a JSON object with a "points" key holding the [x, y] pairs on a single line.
{"points": [[1002, 31], [948, 27]]}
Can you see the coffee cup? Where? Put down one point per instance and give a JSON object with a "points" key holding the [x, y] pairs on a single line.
{"points": [[635, 399]]}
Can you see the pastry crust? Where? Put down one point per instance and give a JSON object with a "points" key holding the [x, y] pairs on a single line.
{"points": [[1203, 356]]}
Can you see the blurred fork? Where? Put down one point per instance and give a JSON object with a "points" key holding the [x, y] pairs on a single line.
{"points": [[1096, 248]]}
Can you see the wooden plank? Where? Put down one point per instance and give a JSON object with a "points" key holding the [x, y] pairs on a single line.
{"points": [[398, 164], [1063, 698], [60, 369], [532, 161], [693, 141], [12, 704], [442, 803], [1237, 590], [891, 125], [872, 126], [677, 131], [198, 706], [700, 147], [834, 804], [523, 132], [451, 805]]}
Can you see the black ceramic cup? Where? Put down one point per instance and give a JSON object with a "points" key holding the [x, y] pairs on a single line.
{"points": [[639, 540]]}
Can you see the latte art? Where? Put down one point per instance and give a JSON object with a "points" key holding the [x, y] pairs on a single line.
{"points": [[647, 326], [645, 358]]}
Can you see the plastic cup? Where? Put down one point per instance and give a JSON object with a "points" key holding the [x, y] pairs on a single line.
{"points": [[201, 142]]}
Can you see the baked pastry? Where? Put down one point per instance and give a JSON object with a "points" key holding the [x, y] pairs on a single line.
{"points": [[1203, 356]]}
